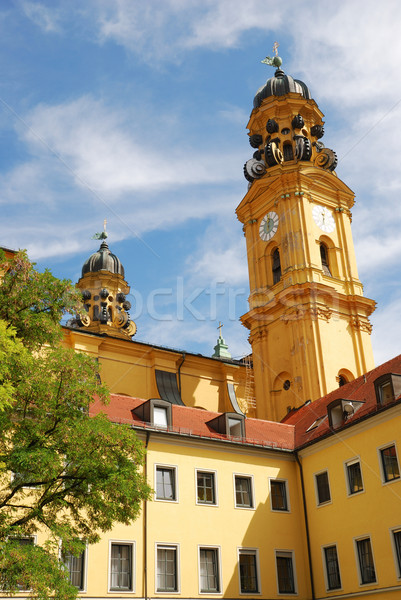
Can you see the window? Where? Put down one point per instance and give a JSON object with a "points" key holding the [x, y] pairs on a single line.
{"points": [[322, 487], [165, 483], [167, 571], [243, 492], [397, 550], [75, 566], [387, 388], [354, 477], [333, 580], [209, 570], [160, 416], [365, 561], [278, 494], [235, 427], [389, 463], [285, 573], [205, 487], [276, 266], [248, 572], [324, 255], [121, 556], [21, 582]]}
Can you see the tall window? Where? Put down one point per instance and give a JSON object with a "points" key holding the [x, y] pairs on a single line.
{"points": [[324, 255], [248, 573], [276, 266], [285, 573], [278, 491], [209, 570], [397, 547], [160, 416], [354, 477], [332, 568], [322, 487], [205, 487], [167, 579], [75, 566], [121, 567], [165, 483], [391, 469], [243, 492], [365, 558]]}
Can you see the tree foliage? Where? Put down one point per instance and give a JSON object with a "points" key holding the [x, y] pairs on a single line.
{"points": [[62, 471]]}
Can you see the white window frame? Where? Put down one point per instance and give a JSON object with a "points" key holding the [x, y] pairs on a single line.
{"points": [[326, 576], [133, 566], [360, 538], [255, 552], [216, 497], [173, 468], [169, 546], [280, 480], [85, 574], [218, 549], [277, 553], [326, 502], [347, 464], [252, 488], [382, 472], [397, 562]]}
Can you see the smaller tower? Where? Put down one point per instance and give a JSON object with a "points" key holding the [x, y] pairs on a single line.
{"points": [[221, 348], [104, 292]]}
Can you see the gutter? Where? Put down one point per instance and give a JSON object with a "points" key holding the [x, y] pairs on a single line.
{"points": [[179, 371], [145, 524], [306, 526]]}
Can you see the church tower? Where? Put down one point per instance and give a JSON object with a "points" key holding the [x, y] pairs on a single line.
{"points": [[308, 319], [104, 293]]}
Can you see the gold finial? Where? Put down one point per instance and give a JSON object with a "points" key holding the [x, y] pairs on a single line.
{"points": [[104, 225], [219, 328], [274, 61]]}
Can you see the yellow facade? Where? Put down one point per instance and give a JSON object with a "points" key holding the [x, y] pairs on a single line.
{"points": [[309, 330]]}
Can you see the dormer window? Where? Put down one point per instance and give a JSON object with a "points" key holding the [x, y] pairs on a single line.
{"points": [[230, 424], [155, 411], [340, 410], [388, 388]]}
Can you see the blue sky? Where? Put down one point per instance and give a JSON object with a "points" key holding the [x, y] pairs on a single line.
{"points": [[136, 112]]}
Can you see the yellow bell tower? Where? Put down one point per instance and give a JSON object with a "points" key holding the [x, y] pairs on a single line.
{"points": [[308, 318]]}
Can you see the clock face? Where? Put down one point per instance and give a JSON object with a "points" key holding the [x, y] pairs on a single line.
{"points": [[323, 218], [268, 226]]}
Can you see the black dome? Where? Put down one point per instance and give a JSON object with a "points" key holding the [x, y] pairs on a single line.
{"points": [[103, 260], [279, 85]]}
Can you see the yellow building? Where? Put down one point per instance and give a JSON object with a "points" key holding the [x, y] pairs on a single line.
{"points": [[275, 476]]}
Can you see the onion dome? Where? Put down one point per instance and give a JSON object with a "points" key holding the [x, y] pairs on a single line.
{"points": [[279, 85], [103, 260]]}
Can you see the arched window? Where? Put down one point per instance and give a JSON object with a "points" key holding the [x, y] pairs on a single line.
{"points": [[276, 266], [324, 255]]}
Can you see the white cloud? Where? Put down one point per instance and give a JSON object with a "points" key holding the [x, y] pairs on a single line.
{"points": [[44, 17]]}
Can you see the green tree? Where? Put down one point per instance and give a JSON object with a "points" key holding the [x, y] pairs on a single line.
{"points": [[63, 470]]}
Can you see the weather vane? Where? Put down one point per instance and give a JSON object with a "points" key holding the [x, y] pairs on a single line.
{"points": [[103, 234], [274, 61]]}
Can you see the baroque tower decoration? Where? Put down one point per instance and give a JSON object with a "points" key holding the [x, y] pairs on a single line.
{"points": [[308, 318], [104, 293]]}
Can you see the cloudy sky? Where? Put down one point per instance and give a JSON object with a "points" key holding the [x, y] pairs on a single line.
{"points": [[136, 111]]}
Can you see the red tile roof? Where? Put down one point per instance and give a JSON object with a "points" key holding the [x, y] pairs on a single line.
{"points": [[193, 422], [291, 434], [361, 389]]}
